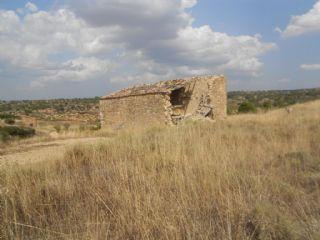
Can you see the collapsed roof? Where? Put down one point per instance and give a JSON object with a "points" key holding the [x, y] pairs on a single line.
{"points": [[163, 87]]}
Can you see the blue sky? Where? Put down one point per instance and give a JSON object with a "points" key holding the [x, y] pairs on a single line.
{"points": [[254, 16], [81, 48]]}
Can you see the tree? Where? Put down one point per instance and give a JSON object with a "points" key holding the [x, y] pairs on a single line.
{"points": [[267, 105], [247, 107]]}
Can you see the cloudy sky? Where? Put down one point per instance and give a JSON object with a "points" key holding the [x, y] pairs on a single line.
{"points": [[83, 48]]}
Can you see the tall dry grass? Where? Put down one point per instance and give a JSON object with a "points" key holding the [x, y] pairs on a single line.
{"points": [[250, 177]]}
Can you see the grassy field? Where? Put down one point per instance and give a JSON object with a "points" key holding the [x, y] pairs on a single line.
{"points": [[253, 176]]}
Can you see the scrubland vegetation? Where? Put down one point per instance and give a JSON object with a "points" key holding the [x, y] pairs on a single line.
{"points": [[84, 109], [253, 176], [266, 100], [14, 132]]}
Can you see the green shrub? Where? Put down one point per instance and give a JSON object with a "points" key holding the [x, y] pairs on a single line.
{"points": [[13, 131], [4, 136], [27, 112], [247, 107], [267, 105], [96, 127], [7, 116], [57, 128], [10, 121]]}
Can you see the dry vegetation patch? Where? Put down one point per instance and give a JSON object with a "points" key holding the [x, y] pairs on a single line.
{"points": [[250, 177]]}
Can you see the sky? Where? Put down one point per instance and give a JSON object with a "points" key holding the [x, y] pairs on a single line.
{"points": [[86, 48]]}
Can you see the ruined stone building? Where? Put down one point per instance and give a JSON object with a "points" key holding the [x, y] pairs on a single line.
{"points": [[166, 102]]}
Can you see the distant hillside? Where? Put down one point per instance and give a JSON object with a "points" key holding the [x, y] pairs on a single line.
{"points": [[84, 109], [271, 98], [87, 109]]}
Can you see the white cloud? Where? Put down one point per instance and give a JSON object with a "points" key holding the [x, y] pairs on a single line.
{"points": [[76, 70], [310, 67], [188, 3], [303, 24], [123, 40], [284, 80], [162, 30], [29, 42], [9, 21], [219, 51], [141, 22], [31, 7]]}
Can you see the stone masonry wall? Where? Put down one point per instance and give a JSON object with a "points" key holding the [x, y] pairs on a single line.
{"points": [[133, 110], [218, 96], [208, 91]]}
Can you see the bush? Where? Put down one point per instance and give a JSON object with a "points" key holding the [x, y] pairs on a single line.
{"points": [[10, 121], [27, 112], [7, 116], [267, 105], [247, 107], [57, 128], [96, 127], [66, 126], [13, 131], [4, 136]]}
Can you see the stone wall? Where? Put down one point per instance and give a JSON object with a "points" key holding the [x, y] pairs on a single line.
{"points": [[133, 110], [218, 96], [207, 92]]}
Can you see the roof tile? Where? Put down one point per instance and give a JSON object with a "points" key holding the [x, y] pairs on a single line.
{"points": [[159, 87]]}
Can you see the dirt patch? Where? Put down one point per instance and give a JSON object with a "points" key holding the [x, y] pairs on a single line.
{"points": [[42, 151]]}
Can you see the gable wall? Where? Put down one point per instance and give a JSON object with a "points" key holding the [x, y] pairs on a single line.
{"points": [[210, 91]]}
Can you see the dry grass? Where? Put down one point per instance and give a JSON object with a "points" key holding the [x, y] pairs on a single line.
{"points": [[250, 177], [46, 134]]}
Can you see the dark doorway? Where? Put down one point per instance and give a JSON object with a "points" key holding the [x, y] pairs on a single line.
{"points": [[177, 97]]}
